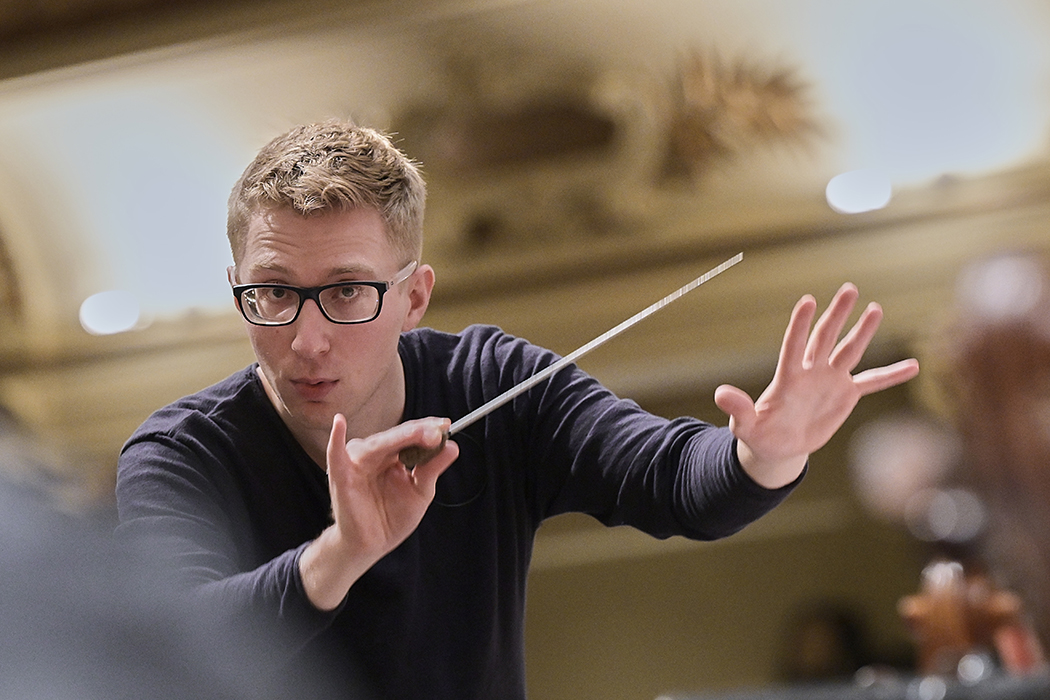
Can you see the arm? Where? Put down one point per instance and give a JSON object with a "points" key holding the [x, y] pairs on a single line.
{"points": [[187, 516], [584, 449], [813, 389], [232, 531]]}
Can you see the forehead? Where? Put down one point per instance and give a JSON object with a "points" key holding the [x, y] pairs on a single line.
{"points": [[350, 240]]}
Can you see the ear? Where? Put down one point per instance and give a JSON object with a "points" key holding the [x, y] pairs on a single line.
{"points": [[422, 284], [231, 273]]}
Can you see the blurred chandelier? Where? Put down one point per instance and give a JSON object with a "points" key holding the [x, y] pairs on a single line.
{"points": [[720, 111]]}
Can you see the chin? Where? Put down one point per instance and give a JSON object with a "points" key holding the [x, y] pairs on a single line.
{"points": [[311, 415]]}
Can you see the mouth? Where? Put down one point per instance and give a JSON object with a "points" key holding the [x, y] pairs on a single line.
{"points": [[313, 389]]}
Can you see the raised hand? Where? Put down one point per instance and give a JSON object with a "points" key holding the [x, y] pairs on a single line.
{"points": [[813, 390], [376, 503]]}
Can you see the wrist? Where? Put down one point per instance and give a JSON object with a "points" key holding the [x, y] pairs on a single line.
{"points": [[328, 568], [770, 473]]}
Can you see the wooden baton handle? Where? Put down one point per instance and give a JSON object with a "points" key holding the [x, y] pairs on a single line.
{"points": [[411, 456]]}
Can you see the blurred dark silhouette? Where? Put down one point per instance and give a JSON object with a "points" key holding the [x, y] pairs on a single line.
{"points": [[971, 479], [996, 380], [824, 641], [81, 619], [1001, 369]]}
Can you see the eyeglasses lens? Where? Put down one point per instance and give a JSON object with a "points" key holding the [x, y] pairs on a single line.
{"points": [[350, 302], [270, 305]]}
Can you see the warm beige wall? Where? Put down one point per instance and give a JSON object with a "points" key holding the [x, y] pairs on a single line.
{"points": [[713, 616]]}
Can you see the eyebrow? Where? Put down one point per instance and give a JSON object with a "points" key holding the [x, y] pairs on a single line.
{"points": [[362, 271]]}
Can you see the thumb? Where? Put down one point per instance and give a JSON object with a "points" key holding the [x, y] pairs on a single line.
{"points": [[425, 475], [736, 404]]}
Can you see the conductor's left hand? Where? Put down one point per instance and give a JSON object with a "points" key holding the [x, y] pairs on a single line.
{"points": [[813, 390]]}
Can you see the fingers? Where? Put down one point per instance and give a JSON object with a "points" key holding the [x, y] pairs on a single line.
{"points": [[793, 348], [426, 473], [439, 453], [872, 380], [385, 446], [805, 349], [848, 353], [829, 327], [381, 452]]}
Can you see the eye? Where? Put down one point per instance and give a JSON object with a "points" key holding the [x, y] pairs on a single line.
{"points": [[271, 297], [348, 292]]}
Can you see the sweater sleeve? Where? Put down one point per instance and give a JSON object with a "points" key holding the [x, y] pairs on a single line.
{"points": [[712, 490], [190, 517], [606, 456]]}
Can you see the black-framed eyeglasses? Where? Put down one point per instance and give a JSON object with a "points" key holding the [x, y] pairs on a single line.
{"points": [[342, 302]]}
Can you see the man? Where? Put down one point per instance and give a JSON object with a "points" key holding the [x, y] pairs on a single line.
{"points": [[279, 493]]}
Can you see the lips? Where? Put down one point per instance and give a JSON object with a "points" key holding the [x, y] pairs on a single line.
{"points": [[313, 389]]}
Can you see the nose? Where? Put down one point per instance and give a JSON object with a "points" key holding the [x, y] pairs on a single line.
{"points": [[311, 331]]}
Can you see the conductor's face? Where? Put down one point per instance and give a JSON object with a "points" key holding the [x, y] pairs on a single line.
{"points": [[313, 367]]}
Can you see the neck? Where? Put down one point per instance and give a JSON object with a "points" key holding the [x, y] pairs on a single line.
{"points": [[382, 410]]}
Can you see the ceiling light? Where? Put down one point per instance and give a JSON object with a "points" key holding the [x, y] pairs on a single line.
{"points": [[858, 191], [110, 312]]}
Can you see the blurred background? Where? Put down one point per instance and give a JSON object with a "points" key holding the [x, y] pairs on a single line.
{"points": [[584, 158]]}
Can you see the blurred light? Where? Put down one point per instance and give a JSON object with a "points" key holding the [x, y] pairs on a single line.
{"points": [[1003, 288], [110, 312], [894, 458], [945, 515], [974, 668], [859, 191], [929, 688]]}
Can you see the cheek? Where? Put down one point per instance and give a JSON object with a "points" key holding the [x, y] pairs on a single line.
{"points": [[266, 342], [367, 343], [396, 312], [366, 351]]}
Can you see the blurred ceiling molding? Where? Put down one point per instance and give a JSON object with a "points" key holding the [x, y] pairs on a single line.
{"points": [[40, 36], [10, 290]]}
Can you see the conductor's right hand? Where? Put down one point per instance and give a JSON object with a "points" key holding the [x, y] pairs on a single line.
{"points": [[376, 503]]}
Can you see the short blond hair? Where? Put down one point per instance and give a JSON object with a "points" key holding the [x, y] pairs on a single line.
{"points": [[331, 166]]}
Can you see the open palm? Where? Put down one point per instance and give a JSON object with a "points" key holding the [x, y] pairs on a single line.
{"points": [[813, 390]]}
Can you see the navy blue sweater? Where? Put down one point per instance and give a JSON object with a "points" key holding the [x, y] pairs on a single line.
{"points": [[218, 482]]}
